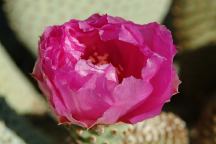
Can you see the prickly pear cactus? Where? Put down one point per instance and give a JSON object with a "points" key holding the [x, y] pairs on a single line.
{"points": [[28, 18], [194, 22], [163, 129], [166, 128], [7, 136], [205, 132], [103, 134], [15, 126], [16, 88]]}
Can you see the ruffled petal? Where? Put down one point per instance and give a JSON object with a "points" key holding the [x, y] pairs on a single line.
{"points": [[129, 93], [86, 89], [143, 107]]}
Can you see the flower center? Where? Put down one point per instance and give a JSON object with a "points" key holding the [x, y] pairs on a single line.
{"points": [[99, 59], [127, 59], [104, 58]]}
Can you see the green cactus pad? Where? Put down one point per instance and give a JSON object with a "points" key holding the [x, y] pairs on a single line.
{"points": [[19, 127], [194, 22], [7, 136], [163, 129], [15, 88]]}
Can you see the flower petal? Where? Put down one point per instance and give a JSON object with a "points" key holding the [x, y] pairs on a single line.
{"points": [[126, 95]]}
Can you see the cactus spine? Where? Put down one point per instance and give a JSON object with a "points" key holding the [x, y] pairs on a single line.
{"points": [[163, 129]]}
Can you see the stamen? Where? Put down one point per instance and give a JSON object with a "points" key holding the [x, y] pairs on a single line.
{"points": [[97, 59], [104, 58]]}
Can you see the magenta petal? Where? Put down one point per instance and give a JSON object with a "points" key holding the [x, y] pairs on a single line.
{"points": [[159, 39], [109, 32], [126, 95], [94, 91], [152, 107], [153, 104], [175, 81], [152, 66], [126, 32]]}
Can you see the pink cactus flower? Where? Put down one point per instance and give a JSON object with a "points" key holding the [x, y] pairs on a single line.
{"points": [[105, 70]]}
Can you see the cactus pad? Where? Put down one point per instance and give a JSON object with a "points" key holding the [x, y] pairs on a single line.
{"points": [[28, 18], [194, 22], [163, 129]]}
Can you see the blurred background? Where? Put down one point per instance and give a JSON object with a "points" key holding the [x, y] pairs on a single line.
{"points": [[24, 115]]}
